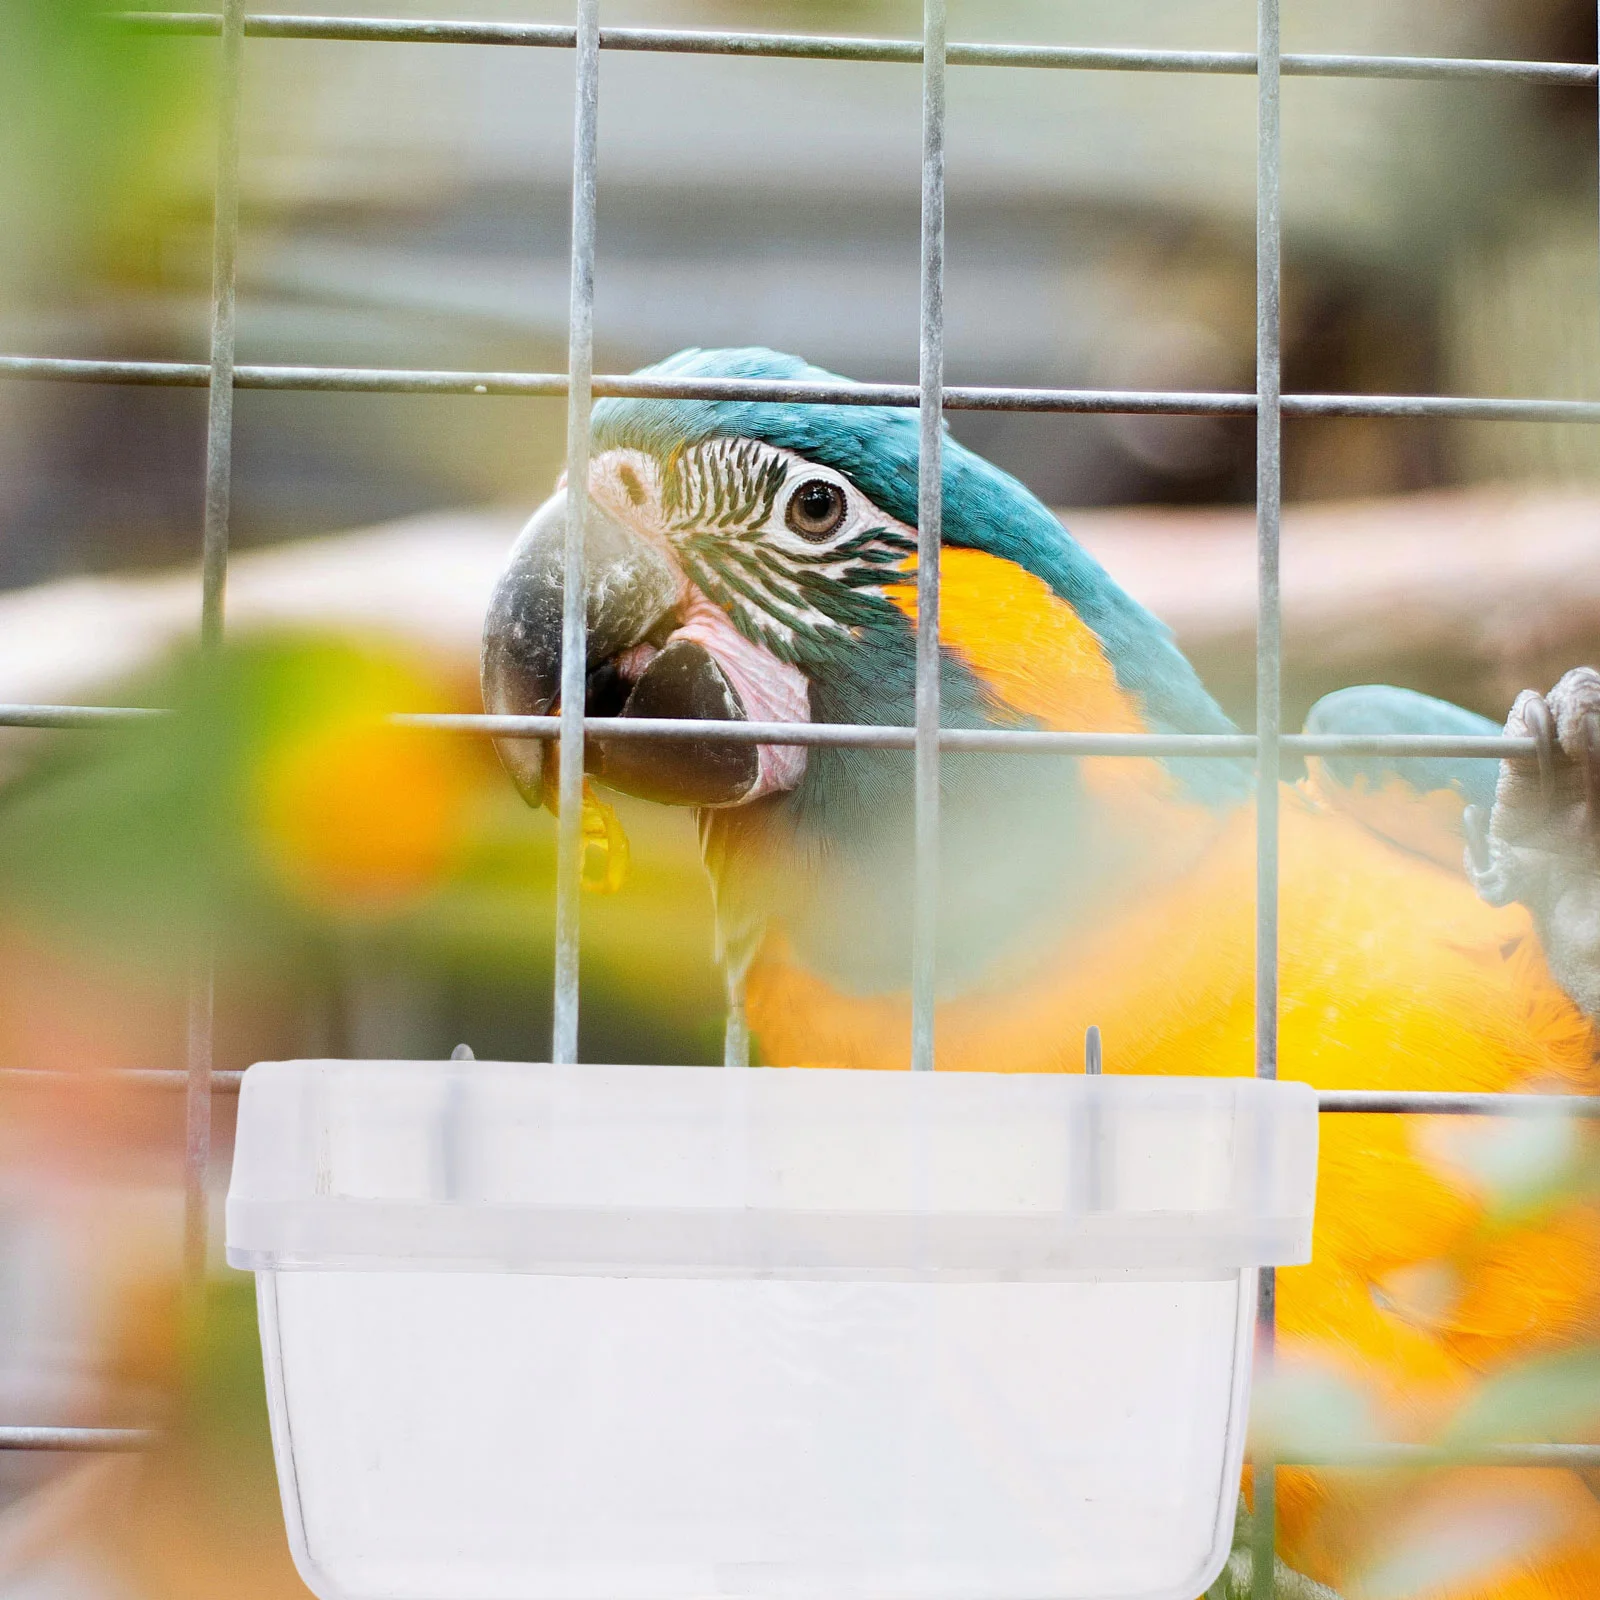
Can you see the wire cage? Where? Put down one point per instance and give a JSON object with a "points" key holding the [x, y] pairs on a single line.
{"points": [[934, 54]]}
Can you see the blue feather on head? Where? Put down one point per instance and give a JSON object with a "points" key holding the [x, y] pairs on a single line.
{"points": [[877, 448]]}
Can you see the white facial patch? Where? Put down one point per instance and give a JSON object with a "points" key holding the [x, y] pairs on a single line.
{"points": [[627, 484], [729, 513]]}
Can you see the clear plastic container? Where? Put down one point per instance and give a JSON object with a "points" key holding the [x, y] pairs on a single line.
{"points": [[635, 1333]]}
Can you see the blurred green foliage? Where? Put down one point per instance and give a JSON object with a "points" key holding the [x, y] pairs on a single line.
{"points": [[102, 132], [1237, 1578], [277, 814], [1303, 1412], [130, 842], [1526, 1167], [220, 1425], [1551, 1399]]}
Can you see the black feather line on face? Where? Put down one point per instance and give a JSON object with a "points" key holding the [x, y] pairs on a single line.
{"points": [[754, 612], [719, 500], [727, 484]]}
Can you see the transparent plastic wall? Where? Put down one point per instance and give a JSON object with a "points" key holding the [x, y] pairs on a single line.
{"points": [[623, 1333]]}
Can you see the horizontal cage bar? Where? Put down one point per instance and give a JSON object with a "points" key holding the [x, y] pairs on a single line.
{"points": [[822, 47], [131, 1077], [75, 1440], [1428, 1103], [1415, 1457], [958, 397], [1572, 1457], [1331, 1102], [853, 736]]}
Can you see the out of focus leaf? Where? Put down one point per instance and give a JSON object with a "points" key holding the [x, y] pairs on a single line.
{"points": [[1458, 1541], [1302, 1412], [279, 814], [274, 806], [1237, 1579], [102, 134], [1553, 1398], [223, 1397], [1520, 1164]]}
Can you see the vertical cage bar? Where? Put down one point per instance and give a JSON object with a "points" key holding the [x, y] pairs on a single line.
{"points": [[1269, 497], [1269, 664], [197, 1108], [930, 526], [219, 396], [200, 1032], [574, 630]]}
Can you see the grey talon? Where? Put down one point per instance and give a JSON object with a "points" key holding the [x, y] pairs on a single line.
{"points": [[1591, 765], [1542, 845], [1541, 726], [1475, 824]]}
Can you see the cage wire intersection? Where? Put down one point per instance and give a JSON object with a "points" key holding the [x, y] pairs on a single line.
{"points": [[580, 385]]}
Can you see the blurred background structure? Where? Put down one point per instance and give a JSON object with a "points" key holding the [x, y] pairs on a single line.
{"points": [[407, 206]]}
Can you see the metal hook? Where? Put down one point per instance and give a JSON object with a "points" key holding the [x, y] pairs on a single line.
{"points": [[736, 1029], [1091, 1052], [462, 1052]]}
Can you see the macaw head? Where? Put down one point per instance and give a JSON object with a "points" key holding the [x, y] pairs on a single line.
{"points": [[758, 561]]}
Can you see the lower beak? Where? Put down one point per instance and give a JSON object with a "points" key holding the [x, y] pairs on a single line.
{"points": [[631, 599]]}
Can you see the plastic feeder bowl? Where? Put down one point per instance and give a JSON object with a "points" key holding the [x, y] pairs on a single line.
{"points": [[668, 1333]]}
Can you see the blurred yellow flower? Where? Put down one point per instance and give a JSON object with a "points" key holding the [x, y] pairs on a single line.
{"points": [[355, 814]]}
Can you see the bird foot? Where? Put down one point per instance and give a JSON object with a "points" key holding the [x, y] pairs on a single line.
{"points": [[1540, 843]]}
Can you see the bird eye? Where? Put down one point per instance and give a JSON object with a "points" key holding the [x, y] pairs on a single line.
{"points": [[816, 509]]}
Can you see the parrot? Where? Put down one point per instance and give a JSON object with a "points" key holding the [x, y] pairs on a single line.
{"points": [[757, 561]]}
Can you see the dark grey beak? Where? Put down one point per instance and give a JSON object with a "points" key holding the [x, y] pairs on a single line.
{"points": [[631, 599]]}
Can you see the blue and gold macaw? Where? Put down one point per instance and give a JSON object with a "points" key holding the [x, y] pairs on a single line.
{"points": [[758, 562]]}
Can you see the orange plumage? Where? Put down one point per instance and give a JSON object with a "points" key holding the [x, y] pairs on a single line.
{"points": [[1394, 975]]}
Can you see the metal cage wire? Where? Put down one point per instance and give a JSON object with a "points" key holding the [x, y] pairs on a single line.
{"points": [[221, 376]]}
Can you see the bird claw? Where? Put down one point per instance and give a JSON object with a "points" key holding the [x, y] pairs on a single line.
{"points": [[1540, 844], [1541, 726], [1589, 744]]}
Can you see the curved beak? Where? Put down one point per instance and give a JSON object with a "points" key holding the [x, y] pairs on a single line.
{"points": [[634, 667]]}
